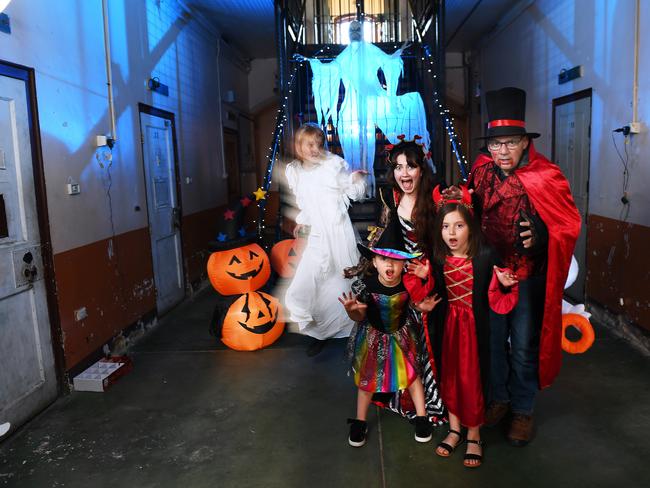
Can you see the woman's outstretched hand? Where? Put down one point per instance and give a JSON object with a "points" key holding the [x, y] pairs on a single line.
{"points": [[419, 268], [454, 193], [355, 309], [358, 175], [428, 304]]}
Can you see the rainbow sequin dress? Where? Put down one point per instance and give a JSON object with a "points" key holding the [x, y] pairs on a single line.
{"points": [[383, 348]]}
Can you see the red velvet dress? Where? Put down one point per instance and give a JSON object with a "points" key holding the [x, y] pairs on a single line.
{"points": [[461, 386]]}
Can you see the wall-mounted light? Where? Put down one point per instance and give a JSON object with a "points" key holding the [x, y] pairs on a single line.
{"points": [[5, 24], [155, 85], [569, 74]]}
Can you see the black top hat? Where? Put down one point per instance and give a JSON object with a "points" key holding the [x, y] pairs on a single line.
{"points": [[506, 110], [390, 244]]}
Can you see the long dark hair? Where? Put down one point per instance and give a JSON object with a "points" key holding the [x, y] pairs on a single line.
{"points": [[424, 209], [440, 249]]}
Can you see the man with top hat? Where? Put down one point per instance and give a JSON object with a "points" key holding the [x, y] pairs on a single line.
{"points": [[528, 215]]}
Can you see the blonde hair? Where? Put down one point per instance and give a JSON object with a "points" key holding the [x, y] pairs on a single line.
{"points": [[308, 130]]}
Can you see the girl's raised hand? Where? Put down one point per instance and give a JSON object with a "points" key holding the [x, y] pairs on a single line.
{"points": [[419, 268], [506, 277], [355, 309], [428, 304], [358, 175]]}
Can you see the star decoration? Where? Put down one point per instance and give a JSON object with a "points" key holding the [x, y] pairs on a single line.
{"points": [[222, 237], [229, 214], [245, 201], [259, 194], [242, 232]]}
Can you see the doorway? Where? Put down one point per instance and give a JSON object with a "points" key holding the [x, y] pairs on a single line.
{"points": [[231, 155], [571, 152], [28, 354], [161, 183]]}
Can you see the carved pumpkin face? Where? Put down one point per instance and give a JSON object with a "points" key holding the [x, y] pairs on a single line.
{"points": [[252, 322], [239, 270], [286, 255]]}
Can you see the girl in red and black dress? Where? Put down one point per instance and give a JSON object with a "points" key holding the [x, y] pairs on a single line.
{"points": [[467, 279]]}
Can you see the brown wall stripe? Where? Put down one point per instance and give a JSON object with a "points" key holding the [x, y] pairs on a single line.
{"points": [[113, 279], [618, 267], [198, 229]]}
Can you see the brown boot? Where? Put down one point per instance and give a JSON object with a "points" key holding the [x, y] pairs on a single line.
{"points": [[521, 430], [495, 412]]}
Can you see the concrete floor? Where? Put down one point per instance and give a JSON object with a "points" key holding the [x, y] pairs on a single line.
{"points": [[194, 414]]}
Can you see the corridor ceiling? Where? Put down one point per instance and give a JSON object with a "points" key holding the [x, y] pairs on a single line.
{"points": [[248, 25]]}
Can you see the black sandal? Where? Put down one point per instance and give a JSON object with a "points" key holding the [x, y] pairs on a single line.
{"points": [[450, 449], [473, 457]]}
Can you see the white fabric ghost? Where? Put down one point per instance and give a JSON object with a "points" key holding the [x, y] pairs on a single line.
{"points": [[367, 104]]}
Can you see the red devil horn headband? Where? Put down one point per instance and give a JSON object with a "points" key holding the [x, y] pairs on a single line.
{"points": [[403, 144], [465, 200]]}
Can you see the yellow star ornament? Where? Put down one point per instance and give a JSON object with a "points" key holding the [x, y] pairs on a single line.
{"points": [[259, 194]]}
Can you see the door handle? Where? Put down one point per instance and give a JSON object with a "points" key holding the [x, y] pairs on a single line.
{"points": [[176, 218], [30, 272]]}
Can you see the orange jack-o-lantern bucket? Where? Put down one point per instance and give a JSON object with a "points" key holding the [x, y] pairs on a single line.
{"points": [[252, 322], [286, 255], [583, 326], [239, 270]]}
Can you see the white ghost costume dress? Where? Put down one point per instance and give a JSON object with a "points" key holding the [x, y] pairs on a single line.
{"points": [[323, 195]]}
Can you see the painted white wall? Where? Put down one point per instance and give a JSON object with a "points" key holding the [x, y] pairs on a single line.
{"points": [[455, 77], [234, 86], [554, 34], [261, 83], [63, 41]]}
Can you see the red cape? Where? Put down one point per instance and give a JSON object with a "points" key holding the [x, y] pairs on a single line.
{"points": [[548, 190]]}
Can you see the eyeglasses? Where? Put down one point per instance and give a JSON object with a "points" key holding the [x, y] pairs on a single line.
{"points": [[494, 145]]}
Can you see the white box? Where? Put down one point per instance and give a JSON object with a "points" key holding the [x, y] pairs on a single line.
{"points": [[102, 374]]}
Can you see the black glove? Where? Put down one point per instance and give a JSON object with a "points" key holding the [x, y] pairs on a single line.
{"points": [[539, 234]]}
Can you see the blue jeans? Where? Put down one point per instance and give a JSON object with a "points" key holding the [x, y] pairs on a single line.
{"points": [[515, 362]]}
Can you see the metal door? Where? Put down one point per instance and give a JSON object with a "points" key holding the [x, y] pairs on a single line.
{"points": [[572, 142], [164, 211], [28, 380]]}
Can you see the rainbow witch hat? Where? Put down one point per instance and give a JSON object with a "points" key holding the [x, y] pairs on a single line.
{"points": [[390, 244]]}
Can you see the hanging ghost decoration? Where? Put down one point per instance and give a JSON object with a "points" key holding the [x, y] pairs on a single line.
{"points": [[367, 103]]}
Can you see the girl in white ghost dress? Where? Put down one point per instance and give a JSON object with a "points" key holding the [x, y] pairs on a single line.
{"points": [[323, 188]]}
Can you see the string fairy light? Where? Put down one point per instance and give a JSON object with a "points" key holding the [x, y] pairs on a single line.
{"points": [[448, 121], [280, 121]]}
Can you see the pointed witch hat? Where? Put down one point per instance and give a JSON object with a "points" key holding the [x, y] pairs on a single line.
{"points": [[390, 244], [232, 231]]}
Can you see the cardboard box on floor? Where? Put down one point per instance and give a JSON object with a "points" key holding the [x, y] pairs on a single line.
{"points": [[101, 375]]}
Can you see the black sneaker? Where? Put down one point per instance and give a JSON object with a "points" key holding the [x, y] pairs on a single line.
{"points": [[358, 431], [315, 347], [423, 429]]}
